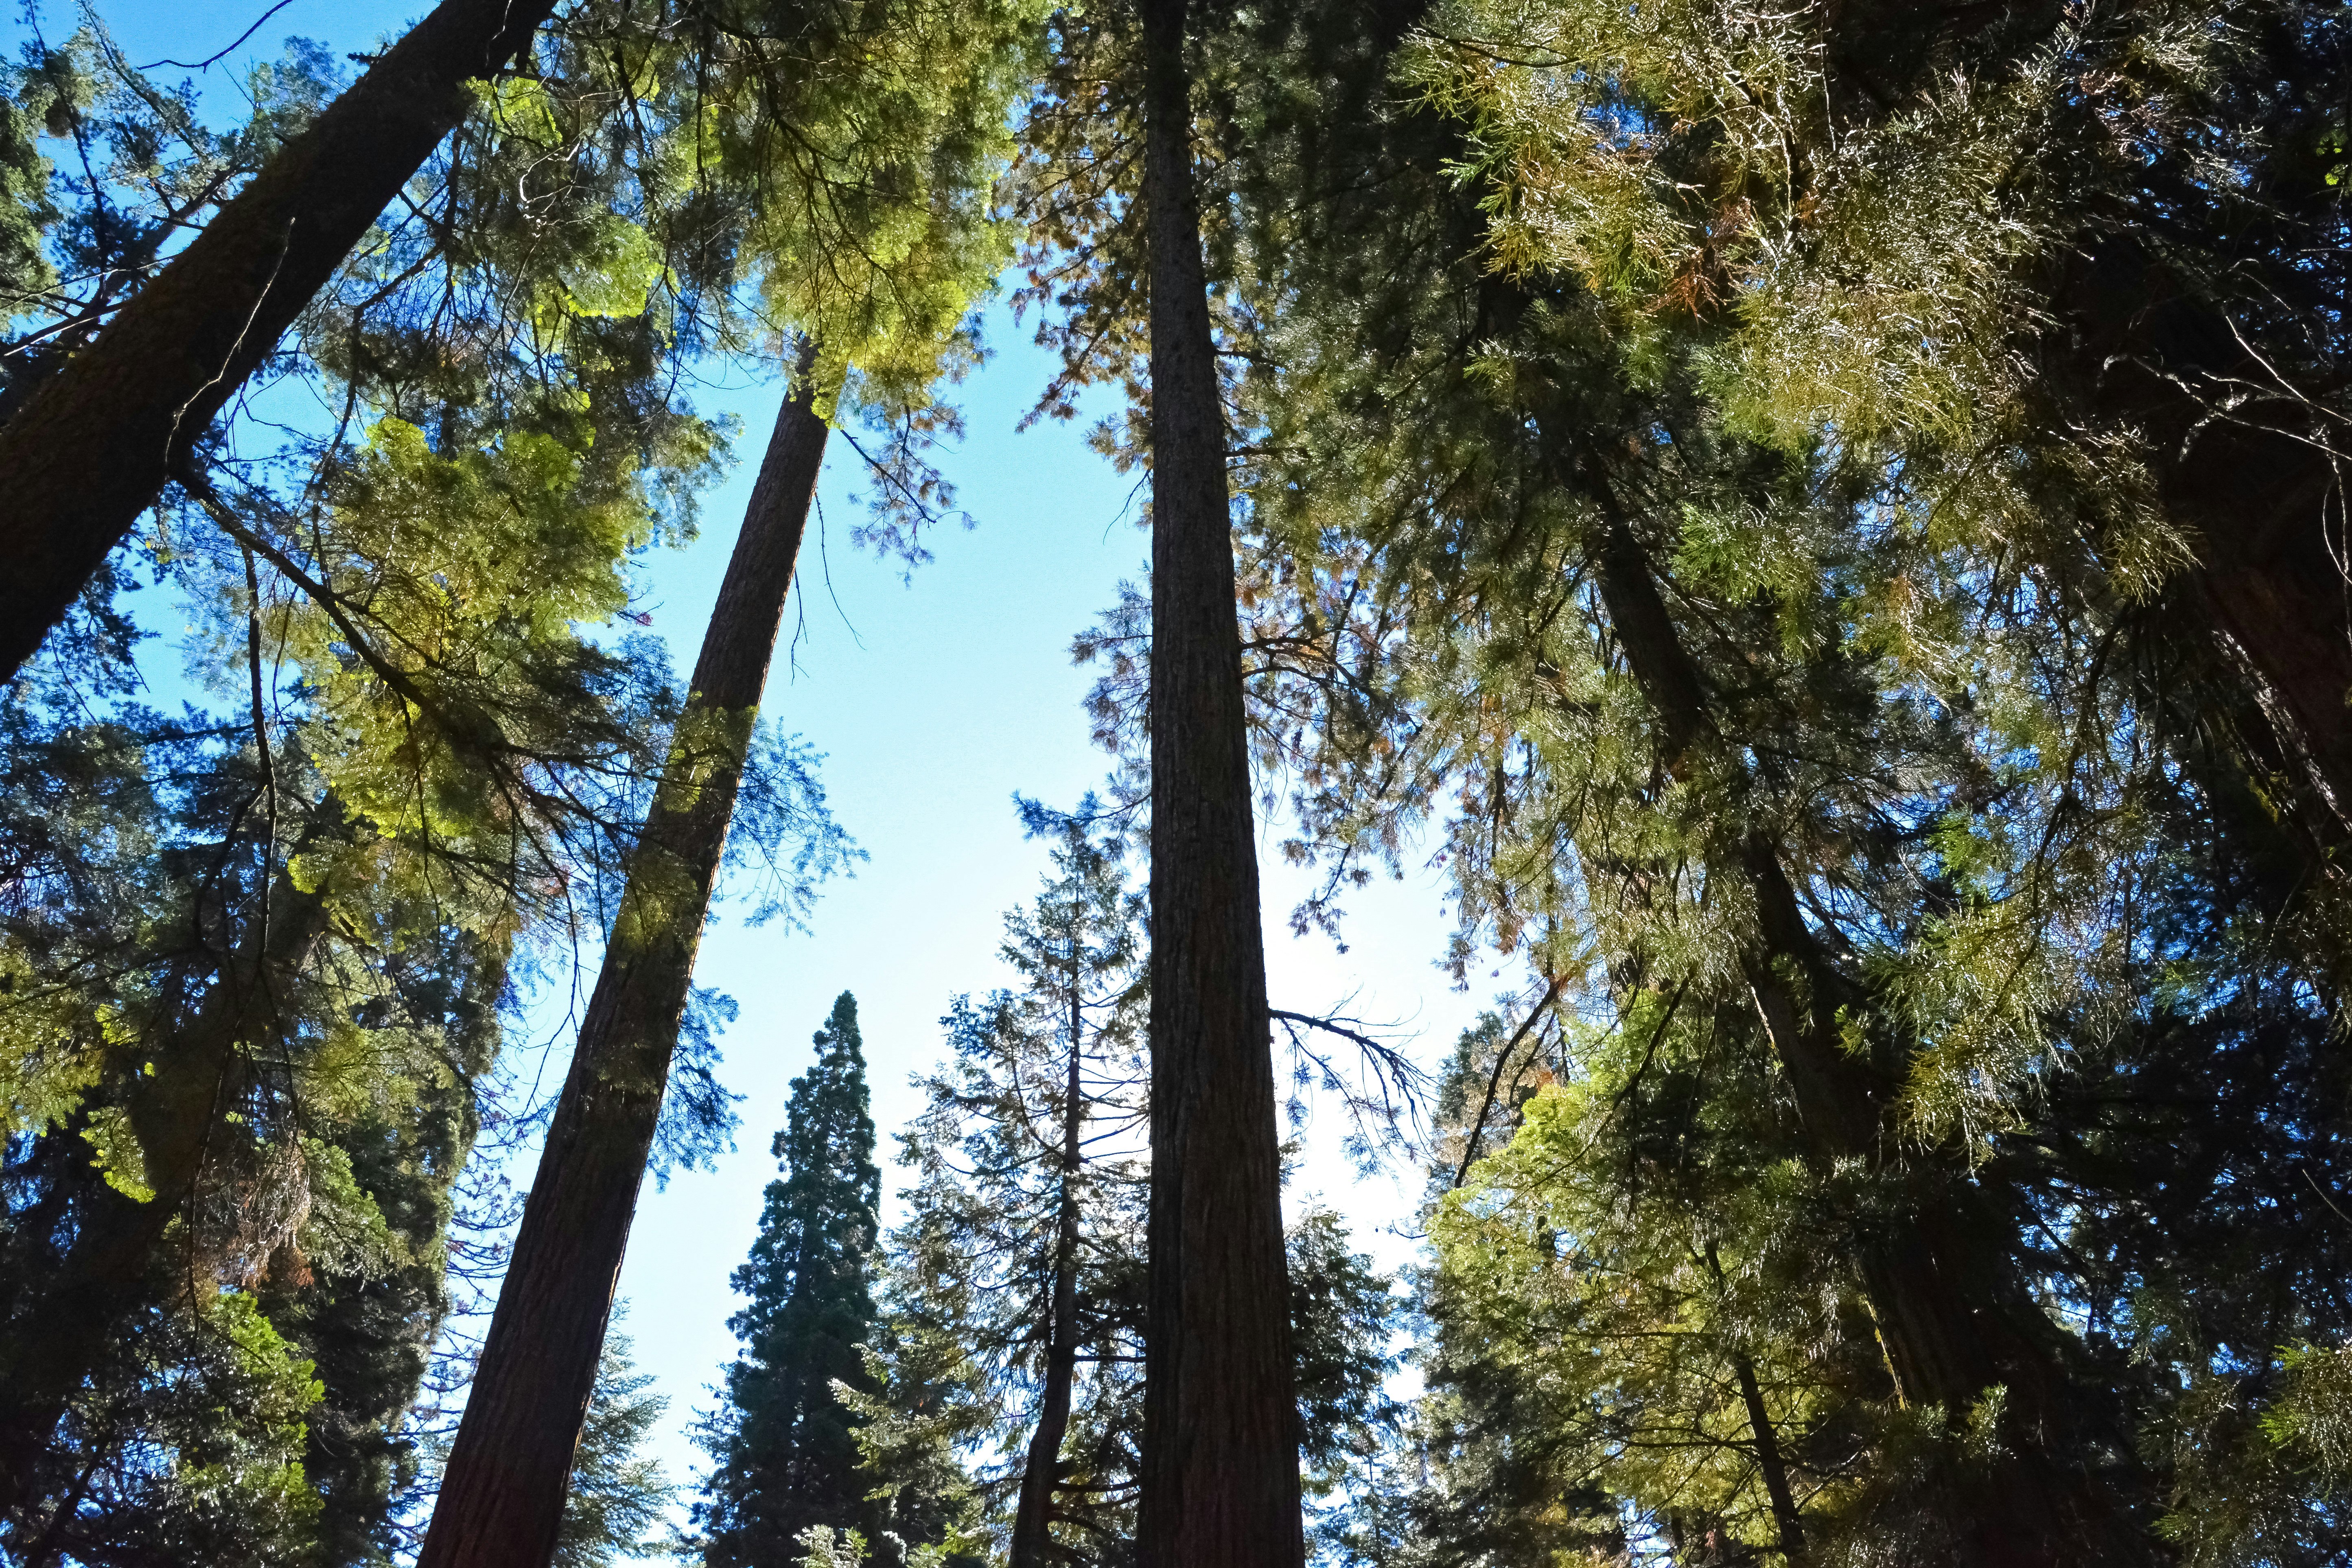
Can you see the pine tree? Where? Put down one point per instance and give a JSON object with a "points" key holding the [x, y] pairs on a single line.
{"points": [[783, 1445], [1024, 1229], [618, 1496]]}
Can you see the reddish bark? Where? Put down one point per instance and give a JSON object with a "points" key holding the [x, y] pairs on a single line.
{"points": [[501, 1499], [1220, 1462]]}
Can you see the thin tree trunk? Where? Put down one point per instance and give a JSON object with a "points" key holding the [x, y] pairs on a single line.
{"points": [[175, 1109], [1786, 1523], [501, 1500], [1220, 1461], [1791, 1529], [1040, 1473], [92, 448]]}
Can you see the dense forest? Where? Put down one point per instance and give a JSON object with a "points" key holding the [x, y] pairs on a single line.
{"points": [[1825, 523]]}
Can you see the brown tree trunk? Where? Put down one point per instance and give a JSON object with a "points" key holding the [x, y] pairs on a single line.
{"points": [[1220, 1462], [502, 1495], [92, 448], [2242, 469], [1040, 1473], [176, 1110], [1785, 1519]]}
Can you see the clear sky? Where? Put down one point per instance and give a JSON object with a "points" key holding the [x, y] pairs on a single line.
{"points": [[933, 699]]}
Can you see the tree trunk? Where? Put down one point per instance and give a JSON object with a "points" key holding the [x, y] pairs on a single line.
{"points": [[2263, 509], [502, 1496], [1040, 1473], [92, 448], [1785, 1519], [1220, 1462], [175, 1109], [1952, 1319]]}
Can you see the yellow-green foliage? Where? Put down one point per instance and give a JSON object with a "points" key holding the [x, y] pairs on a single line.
{"points": [[1618, 1315], [1868, 279]]}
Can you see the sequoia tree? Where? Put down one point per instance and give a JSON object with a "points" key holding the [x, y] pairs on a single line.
{"points": [[784, 1446], [501, 1499], [1219, 1467]]}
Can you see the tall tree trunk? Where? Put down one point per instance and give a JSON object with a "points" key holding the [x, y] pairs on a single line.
{"points": [[67, 1326], [502, 1495], [1220, 1461], [91, 449], [1041, 1472]]}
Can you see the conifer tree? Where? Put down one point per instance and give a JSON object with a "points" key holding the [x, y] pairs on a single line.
{"points": [[1220, 1467], [618, 1495], [783, 1445], [1021, 1256]]}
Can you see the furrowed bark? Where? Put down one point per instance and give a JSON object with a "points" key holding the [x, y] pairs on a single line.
{"points": [[91, 449], [1041, 1472], [175, 1109], [1220, 1461], [501, 1499]]}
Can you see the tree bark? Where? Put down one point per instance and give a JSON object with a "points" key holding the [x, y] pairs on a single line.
{"points": [[2260, 503], [1785, 1517], [1041, 1472], [175, 1111], [1220, 1461], [92, 448], [501, 1499]]}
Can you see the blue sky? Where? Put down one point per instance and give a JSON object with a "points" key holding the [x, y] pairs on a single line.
{"points": [[934, 699]]}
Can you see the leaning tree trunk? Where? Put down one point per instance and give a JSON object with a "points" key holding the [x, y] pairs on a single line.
{"points": [[67, 1325], [1220, 1461], [1041, 1472], [502, 1495], [92, 448], [1951, 1317]]}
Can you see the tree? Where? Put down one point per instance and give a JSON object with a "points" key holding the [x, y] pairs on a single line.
{"points": [[90, 450], [502, 1492], [1015, 1299], [2081, 269], [785, 1446], [883, 290], [617, 1496], [1220, 1467], [1023, 1235]]}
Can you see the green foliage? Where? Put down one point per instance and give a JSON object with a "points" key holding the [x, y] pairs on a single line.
{"points": [[619, 1496], [971, 1328], [191, 1446], [785, 1444]]}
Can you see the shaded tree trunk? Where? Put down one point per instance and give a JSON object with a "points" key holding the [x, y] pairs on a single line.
{"points": [[1785, 1519], [92, 448], [1952, 1318], [501, 1500], [2261, 503], [65, 1329], [1041, 1472], [1220, 1461]]}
